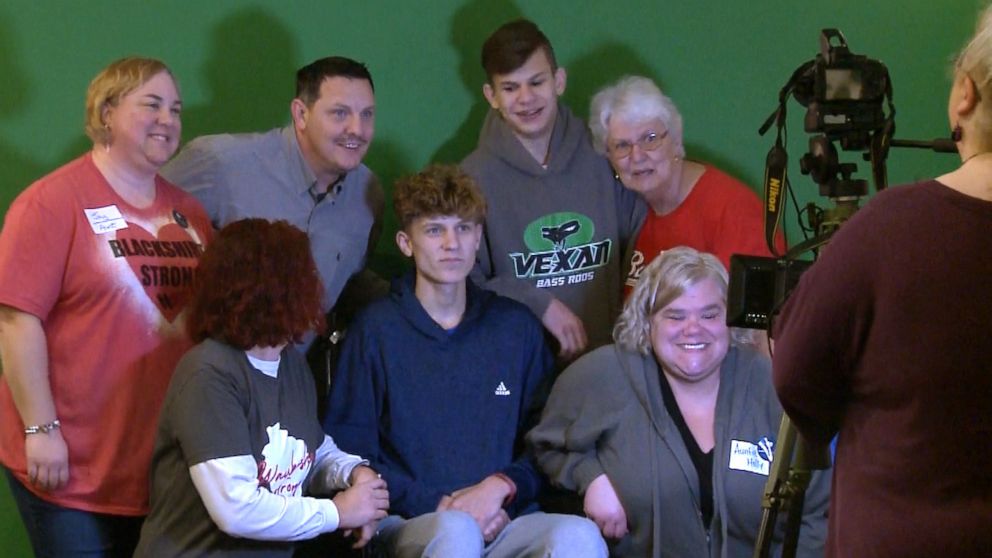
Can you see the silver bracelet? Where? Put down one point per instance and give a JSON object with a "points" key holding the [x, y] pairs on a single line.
{"points": [[43, 428]]}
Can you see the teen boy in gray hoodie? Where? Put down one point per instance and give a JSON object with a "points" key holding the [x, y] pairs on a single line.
{"points": [[560, 223]]}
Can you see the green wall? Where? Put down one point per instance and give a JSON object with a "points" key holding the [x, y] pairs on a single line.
{"points": [[723, 63]]}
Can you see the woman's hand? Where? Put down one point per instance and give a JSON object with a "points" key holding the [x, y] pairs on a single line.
{"points": [[365, 502], [47, 460], [24, 359], [362, 473], [364, 534], [602, 505]]}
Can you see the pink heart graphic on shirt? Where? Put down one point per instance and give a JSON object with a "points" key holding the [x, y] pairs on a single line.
{"points": [[164, 264]]}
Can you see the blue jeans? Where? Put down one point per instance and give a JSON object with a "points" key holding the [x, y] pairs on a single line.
{"points": [[454, 534], [55, 531]]}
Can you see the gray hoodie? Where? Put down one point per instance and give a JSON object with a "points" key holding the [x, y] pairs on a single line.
{"points": [[606, 415], [560, 231]]}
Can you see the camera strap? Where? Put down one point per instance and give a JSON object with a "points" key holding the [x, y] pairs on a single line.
{"points": [[775, 168], [880, 143]]}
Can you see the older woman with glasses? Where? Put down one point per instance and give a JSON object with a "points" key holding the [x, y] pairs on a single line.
{"points": [[670, 433], [691, 204]]}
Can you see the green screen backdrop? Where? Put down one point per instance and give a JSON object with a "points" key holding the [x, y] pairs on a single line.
{"points": [[722, 62]]}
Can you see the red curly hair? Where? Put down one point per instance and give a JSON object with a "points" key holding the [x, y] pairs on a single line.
{"points": [[256, 285]]}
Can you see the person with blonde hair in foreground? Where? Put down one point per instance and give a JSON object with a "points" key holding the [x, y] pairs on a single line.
{"points": [[885, 343], [670, 433], [95, 262]]}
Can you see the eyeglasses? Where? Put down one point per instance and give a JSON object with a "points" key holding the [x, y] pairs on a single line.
{"points": [[650, 141]]}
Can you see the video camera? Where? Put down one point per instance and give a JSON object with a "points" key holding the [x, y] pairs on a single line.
{"points": [[845, 96], [848, 98], [843, 93]]}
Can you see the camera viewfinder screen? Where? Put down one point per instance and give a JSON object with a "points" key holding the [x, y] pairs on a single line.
{"points": [[843, 84]]}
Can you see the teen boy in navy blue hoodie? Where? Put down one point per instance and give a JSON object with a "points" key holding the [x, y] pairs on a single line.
{"points": [[437, 386]]}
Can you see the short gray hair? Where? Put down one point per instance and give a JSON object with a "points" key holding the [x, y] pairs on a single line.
{"points": [[633, 99], [662, 281]]}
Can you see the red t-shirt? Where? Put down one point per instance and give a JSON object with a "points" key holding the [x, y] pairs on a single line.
{"points": [[720, 215], [108, 282]]}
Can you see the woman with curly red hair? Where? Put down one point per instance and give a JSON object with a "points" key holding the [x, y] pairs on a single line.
{"points": [[238, 441]]}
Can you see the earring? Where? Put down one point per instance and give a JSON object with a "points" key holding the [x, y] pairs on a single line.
{"points": [[957, 133]]}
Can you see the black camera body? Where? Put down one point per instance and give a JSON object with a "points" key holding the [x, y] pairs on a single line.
{"points": [[848, 100], [844, 93], [846, 96]]}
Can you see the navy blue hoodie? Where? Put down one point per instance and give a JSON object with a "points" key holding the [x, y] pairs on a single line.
{"points": [[434, 410]]}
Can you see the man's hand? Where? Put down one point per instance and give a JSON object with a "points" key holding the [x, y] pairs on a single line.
{"points": [[602, 505], [483, 501], [47, 460], [566, 327], [495, 526], [365, 502]]}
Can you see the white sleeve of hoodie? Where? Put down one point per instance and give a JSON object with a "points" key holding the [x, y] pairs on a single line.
{"points": [[333, 467], [241, 508]]}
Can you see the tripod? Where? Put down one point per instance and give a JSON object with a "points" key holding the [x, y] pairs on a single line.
{"points": [[786, 488]]}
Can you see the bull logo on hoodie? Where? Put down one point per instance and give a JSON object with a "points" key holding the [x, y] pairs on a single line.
{"points": [[562, 250]]}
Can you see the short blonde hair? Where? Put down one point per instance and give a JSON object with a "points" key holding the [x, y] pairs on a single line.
{"points": [[975, 60], [113, 82], [662, 281]]}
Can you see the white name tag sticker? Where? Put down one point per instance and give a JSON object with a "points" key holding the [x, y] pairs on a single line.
{"points": [[105, 219], [745, 456]]}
